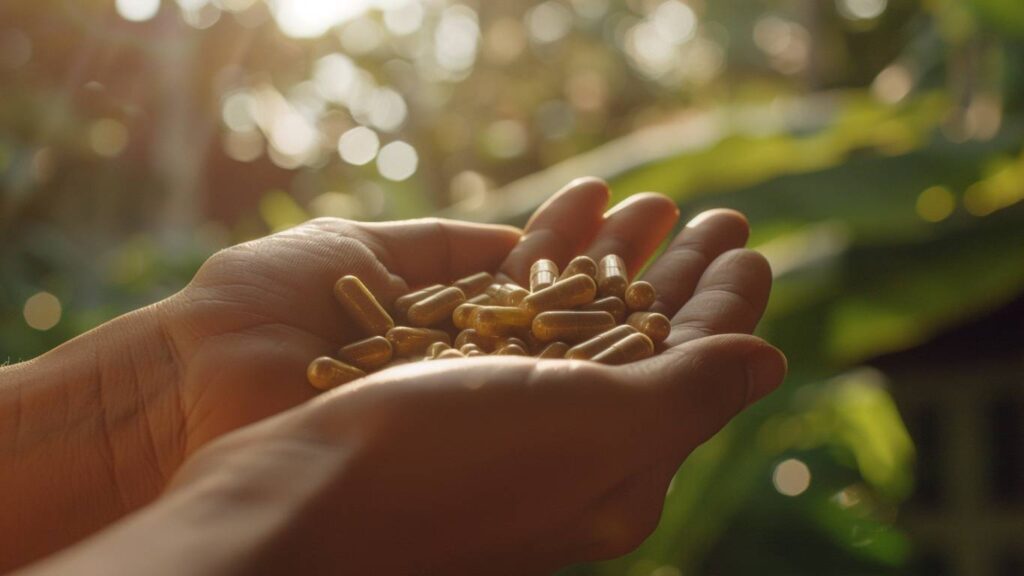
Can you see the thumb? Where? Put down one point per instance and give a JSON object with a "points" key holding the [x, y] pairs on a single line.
{"points": [[704, 383]]}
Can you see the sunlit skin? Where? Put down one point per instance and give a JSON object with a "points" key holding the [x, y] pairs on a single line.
{"points": [[415, 455]]}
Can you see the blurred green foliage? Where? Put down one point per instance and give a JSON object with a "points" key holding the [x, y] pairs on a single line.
{"points": [[874, 144]]}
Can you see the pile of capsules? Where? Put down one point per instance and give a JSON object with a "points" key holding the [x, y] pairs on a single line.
{"points": [[588, 312]]}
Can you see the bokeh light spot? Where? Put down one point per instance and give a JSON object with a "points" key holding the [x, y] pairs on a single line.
{"points": [[42, 311], [358, 146], [137, 10], [108, 137], [935, 204], [397, 161], [791, 477]]}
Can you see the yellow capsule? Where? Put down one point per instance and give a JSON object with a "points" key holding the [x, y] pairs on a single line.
{"points": [[479, 300], [543, 273], [436, 348], [561, 295], [640, 295], [612, 305], [462, 316], [435, 308], [656, 326], [580, 265], [500, 320], [471, 336], [630, 349], [597, 344], [406, 341], [554, 350], [368, 354], [325, 373], [611, 277], [450, 353], [507, 294], [467, 348], [361, 306], [474, 285], [402, 303], [571, 326], [511, 350], [512, 340]]}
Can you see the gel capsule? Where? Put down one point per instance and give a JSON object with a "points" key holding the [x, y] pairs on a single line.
{"points": [[480, 300], [436, 348], [500, 320], [450, 353], [511, 350], [325, 373], [368, 354], [630, 349], [571, 326], [471, 336], [507, 294], [462, 316], [656, 326], [543, 273], [640, 295], [406, 341], [514, 341], [402, 303], [597, 344], [468, 348], [580, 265], [474, 285], [611, 276], [554, 350], [435, 308], [361, 306], [612, 305], [568, 293]]}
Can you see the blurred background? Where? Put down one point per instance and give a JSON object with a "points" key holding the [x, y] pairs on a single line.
{"points": [[875, 144]]}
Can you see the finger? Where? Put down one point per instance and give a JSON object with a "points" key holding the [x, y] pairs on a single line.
{"points": [[560, 229], [634, 229], [700, 385], [677, 271], [433, 250], [730, 298]]}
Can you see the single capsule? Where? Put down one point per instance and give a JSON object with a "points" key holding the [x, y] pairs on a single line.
{"points": [[361, 306], [325, 373], [406, 341], [462, 316], [450, 353], [571, 326], [470, 347], [611, 277], [402, 303], [471, 336], [543, 273], [597, 344], [474, 285], [612, 305], [580, 265], [656, 326], [640, 295], [500, 320], [554, 350], [368, 354], [513, 341], [435, 308], [511, 350], [475, 352], [508, 294], [436, 348], [480, 300], [561, 295], [630, 349]]}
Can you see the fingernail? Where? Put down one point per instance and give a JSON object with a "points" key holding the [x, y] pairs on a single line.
{"points": [[766, 368]]}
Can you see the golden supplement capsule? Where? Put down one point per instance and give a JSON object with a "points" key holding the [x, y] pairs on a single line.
{"points": [[515, 341], [361, 306], [402, 303], [612, 305], [597, 344], [656, 326], [462, 316], [554, 350], [571, 326], [474, 285], [325, 373], [467, 348], [406, 341], [630, 349], [480, 300], [543, 273], [568, 293], [508, 294], [436, 348], [435, 308], [475, 352], [580, 265], [368, 354], [450, 353], [640, 295], [611, 277], [471, 336], [511, 350], [500, 320]]}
